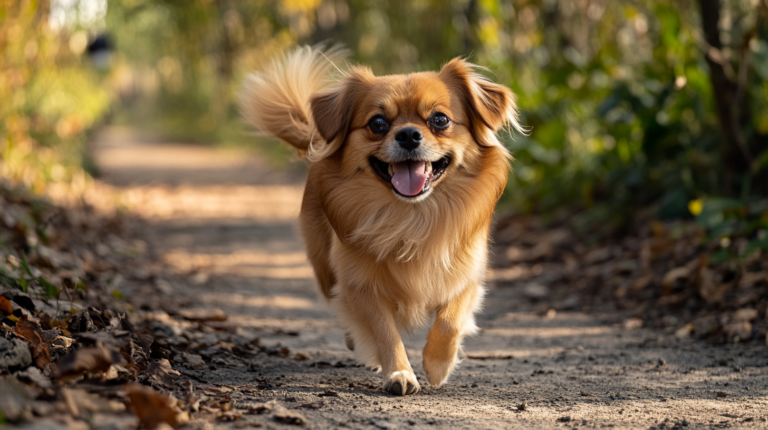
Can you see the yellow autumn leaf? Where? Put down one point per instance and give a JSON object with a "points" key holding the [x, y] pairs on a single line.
{"points": [[696, 206], [293, 6]]}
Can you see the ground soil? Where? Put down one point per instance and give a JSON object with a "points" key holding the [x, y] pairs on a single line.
{"points": [[223, 225]]}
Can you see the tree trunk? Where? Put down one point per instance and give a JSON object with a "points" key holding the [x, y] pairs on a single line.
{"points": [[735, 152], [224, 61], [472, 17]]}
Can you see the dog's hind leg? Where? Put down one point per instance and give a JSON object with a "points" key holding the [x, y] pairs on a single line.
{"points": [[453, 321]]}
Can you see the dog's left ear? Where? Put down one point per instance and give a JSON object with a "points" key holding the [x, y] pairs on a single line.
{"points": [[490, 106]]}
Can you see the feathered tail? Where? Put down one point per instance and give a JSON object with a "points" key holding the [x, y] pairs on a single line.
{"points": [[276, 99]]}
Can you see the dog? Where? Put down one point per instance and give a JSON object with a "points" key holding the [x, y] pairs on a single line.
{"points": [[404, 175]]}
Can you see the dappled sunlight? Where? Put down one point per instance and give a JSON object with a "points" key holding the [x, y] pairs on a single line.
{"points": [[169, 157], [298, 323], [508, 273], [176, 257], [277, 272], [505, 354], [241, 300], [291, 265], [256, 203], [549, 332]]}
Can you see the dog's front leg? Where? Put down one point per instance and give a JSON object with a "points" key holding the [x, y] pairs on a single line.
{"points": [[452, 321], [376, 338]]}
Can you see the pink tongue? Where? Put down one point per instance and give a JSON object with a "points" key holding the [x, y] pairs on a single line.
{"points": [[409, 177]]}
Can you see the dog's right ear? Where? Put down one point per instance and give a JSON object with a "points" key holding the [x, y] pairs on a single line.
{"points": [[333, 109]]}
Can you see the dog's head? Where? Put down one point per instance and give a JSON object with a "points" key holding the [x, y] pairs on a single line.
{"points": [[412, 132]]}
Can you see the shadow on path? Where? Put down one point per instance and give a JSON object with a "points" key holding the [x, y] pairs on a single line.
{"points": [[224, 224]]}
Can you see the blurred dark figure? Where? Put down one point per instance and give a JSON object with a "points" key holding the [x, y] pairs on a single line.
{"points": [[99, 51]]}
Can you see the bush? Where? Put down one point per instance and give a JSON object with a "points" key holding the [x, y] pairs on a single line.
{"points": [[51, 97]]}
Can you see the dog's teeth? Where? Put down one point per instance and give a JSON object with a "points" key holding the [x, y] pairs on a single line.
{"points": [[390, 170], [427, 167]]}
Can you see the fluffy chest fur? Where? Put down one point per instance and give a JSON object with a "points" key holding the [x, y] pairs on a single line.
{"points": [[414, 256], [413, 289]]}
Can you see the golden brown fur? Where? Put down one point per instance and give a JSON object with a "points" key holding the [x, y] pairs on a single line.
{"points": [[387, 262]]}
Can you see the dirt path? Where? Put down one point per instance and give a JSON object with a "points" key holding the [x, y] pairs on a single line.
{"points": [[224, 225]]}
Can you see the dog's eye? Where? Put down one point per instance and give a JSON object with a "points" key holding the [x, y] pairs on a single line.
{"points": [[378, 124], [440, 121]]}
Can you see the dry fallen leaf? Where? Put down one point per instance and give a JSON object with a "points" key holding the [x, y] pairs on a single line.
{"points": [[92, 359], [213, 390], [748, 280], [20, 299], [193, 361], [80, 403], [710, 289], [633, 323], [640, 283], [230, 416], [329, 393], [684, 331], [5, 305], [669, 279], [259, 408], [31, 331], [203, 315], [490, 355], [151, 407], [741, 330], [313, 405], [285, 416], [745, 314], [161, 371]]}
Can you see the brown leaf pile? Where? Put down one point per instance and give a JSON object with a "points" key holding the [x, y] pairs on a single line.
{"points": [[74, 344], [661, 275]]}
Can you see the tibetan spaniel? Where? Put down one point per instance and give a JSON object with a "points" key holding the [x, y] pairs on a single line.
{"points": [[405, 171]]}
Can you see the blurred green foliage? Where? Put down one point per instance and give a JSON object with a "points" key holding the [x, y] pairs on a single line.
{"points": [[618, 93], [633, 104], [622, 108], [741, 227]]}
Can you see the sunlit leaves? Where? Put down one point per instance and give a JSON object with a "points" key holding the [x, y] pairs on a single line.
{"points": [[695, 206], [51, 97], [294, 6]]}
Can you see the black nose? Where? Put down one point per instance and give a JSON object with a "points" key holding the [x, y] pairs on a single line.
{"points": [[409, 138]]}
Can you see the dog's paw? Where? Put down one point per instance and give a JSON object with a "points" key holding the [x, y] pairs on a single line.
{"points": [[438, 362], [438, 370], [401, 383]]}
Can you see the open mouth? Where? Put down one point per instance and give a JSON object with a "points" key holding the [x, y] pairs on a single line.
{"points": [[410, 178]]}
